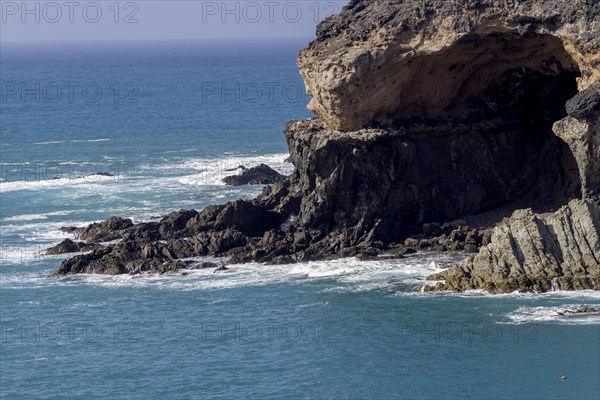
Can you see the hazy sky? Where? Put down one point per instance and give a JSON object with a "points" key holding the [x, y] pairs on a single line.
{"points": [[68, 20]]}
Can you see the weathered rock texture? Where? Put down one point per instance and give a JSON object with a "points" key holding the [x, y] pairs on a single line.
{"points": [[429, 111], [528, 251], [405, 177], [387, 60]]}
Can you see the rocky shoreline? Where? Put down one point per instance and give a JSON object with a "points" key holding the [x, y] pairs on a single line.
{"points": [[434, 120]]}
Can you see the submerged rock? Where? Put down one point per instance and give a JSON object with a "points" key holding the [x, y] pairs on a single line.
{"points": [[582, 310], [108, 174], [207, 265]]}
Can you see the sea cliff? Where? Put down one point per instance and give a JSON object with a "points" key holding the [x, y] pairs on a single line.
{"points": [[435, 120]]}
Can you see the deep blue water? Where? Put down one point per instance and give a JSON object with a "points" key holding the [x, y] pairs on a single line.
{"points": [[168, 120]]}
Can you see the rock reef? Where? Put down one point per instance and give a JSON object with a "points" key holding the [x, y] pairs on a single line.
{"points": [[435, 120]]}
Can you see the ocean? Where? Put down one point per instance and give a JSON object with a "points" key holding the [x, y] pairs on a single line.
{"points": [[142, 129]]}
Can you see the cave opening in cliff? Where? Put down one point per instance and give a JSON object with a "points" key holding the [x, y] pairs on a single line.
{"points": [[506, 91]]}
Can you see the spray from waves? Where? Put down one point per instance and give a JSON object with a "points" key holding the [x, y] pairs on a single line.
{"points": [[168, 174], [34, 217], [26, 244], [346, 274], [524, 315], [44, 233], [27, 255], [46, 184]]}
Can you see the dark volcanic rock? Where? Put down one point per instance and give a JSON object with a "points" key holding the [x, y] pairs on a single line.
{"points": [[69, 246], [174, 224], [141, 233], [585, 104], [101, 232], [69, 229], [247, 218], [66, 246], [259, 175], [101, 174], [408, 177]]}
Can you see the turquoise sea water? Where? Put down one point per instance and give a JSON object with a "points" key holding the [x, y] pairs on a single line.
{"points": [[167, 120]]}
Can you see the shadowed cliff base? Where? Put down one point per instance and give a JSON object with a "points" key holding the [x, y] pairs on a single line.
{"points": [[435, 120], [488, 104]]}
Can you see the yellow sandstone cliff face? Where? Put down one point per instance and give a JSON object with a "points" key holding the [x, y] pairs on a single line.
{"points": [[398, 64], [380, 61]]}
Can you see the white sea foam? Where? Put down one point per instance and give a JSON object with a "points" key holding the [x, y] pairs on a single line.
{"points": [[108, 243], [479, 293], [346, 274], [89, 140], [523, 315], [51, 142], [90, 182], [73, 141], [175, 175], [211, 171], [391, 277], [23, 254], [34, 240], [34, 217]]}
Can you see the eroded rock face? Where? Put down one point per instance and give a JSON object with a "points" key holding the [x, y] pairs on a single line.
{"points": [[384, 62], [535, 252], [423, 173], [387, 59]]}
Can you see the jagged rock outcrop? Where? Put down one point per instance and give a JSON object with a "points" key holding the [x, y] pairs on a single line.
{"points": [[159, 246], [69, 246], [260, 175], [428, 112], [66, 246], [104, 231], [578, 312], [538, 252]]}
